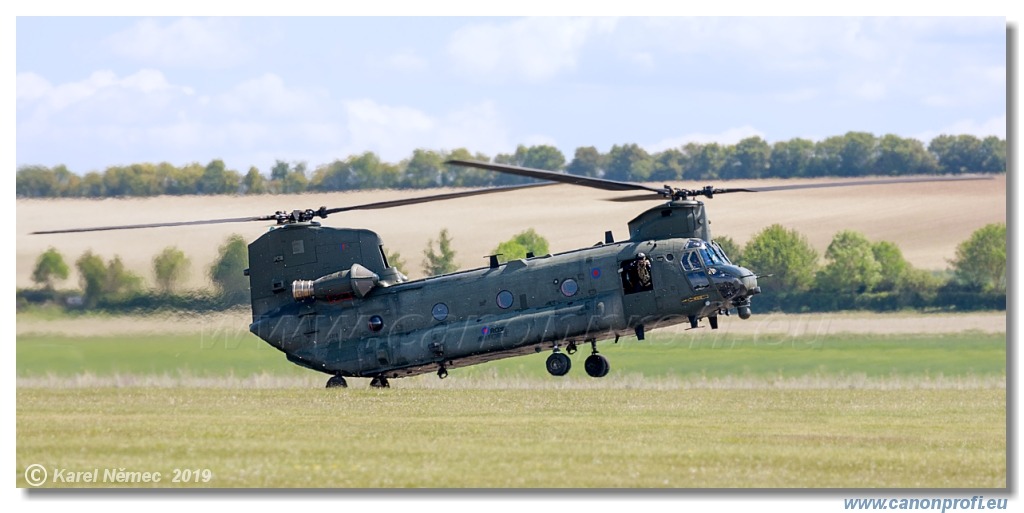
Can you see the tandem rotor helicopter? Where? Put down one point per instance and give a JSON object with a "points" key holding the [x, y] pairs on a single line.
{"points": [[328, 298]]}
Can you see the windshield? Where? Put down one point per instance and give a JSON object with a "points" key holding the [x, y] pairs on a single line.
{"points": [[710, 257], [721, 254]]}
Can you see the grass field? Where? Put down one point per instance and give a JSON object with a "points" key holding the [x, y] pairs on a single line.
{"points": [[836, 411], [524, 438], [961, 355]]}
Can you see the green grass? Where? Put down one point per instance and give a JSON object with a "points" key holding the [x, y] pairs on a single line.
{"points": [[929, 413], [418, 437], [954, 355]]}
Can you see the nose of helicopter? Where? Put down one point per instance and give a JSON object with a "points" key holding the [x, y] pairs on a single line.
{"points": [[735, 282]]}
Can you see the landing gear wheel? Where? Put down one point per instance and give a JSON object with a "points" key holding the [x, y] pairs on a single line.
{"points": [[559, 364], [380, 382], [596, 366], [442, 373], [337, 382]]}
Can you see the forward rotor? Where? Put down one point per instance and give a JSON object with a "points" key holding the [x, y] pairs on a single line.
{"points": [[676, 193]]}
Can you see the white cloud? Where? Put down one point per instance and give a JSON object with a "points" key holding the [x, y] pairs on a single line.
{"points": [[529, 49], [394, 131], [103, 97], [871, 90], [993, 126], [729, 136], [185, 42], [405, 61], [268, 94], [798, 95]]}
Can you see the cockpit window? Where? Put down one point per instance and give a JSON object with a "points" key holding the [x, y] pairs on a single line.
{"points": [[710, 257], [721, 254], [691, 262]]}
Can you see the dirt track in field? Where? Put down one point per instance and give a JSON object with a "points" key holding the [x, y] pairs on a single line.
{"points": [[927, 221]]}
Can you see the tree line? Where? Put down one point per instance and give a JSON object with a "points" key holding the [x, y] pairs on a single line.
{"points": [[856, 274], [860, 274], [849, 155]]}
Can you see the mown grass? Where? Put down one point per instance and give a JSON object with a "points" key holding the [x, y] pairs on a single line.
{"points": [[256, 420], [964, 354], [416, 437]]}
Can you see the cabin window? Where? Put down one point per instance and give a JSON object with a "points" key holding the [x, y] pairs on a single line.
{"points": [[440, 312], [376, 323], [569, 287], [504, 299], [636, 274]]}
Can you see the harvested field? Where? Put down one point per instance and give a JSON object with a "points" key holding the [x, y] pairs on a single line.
{"points": [[927, 221]]}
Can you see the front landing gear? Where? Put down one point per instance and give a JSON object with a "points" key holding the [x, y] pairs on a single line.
{"points": [[559, 364], [380, 382], [337, 381]]}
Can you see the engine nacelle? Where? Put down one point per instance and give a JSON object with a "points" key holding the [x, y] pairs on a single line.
{"points": [[357, 281]]}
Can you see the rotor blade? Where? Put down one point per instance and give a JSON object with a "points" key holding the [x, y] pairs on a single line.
{"points": [[540, 174], [632, 198], [882, 181], [156, 225], [435, 197]]}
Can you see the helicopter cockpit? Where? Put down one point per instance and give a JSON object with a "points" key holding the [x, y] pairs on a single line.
{"points": [[706, 264]]}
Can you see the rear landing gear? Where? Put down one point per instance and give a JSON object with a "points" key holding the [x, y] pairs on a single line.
{"points": [[558, 364], [596, 365], [380, 382], [337, 381]]}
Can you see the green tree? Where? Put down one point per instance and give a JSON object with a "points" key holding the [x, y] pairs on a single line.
{"points": [[791, 158], [668, 165], [587, 162], [527, 241], [217, 179], [394, 259], [544, 156], [857, 157], [227, 272], [893, 268], [851, 266], [981, 259], [50, 267], [786, 255], [92, 273], [827, 159], [707, 161], [424, 169], [120, 280], [170, 267], [441, 261], [629, 162], [900, 156], [459, 176], [104, 281], [751, 159], [254, 183]]}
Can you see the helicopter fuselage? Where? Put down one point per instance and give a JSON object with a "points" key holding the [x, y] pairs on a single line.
{"points": [[327, 299]]}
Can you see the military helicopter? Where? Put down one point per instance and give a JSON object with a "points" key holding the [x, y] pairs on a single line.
{"points": [[330, 301]]}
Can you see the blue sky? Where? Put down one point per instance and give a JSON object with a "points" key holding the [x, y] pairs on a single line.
{"points": [[95, 92]]}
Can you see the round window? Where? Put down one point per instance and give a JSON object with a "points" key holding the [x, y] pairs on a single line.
{"points": [[440, 311], [376, 323], [569, 287], [504, 299]]}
